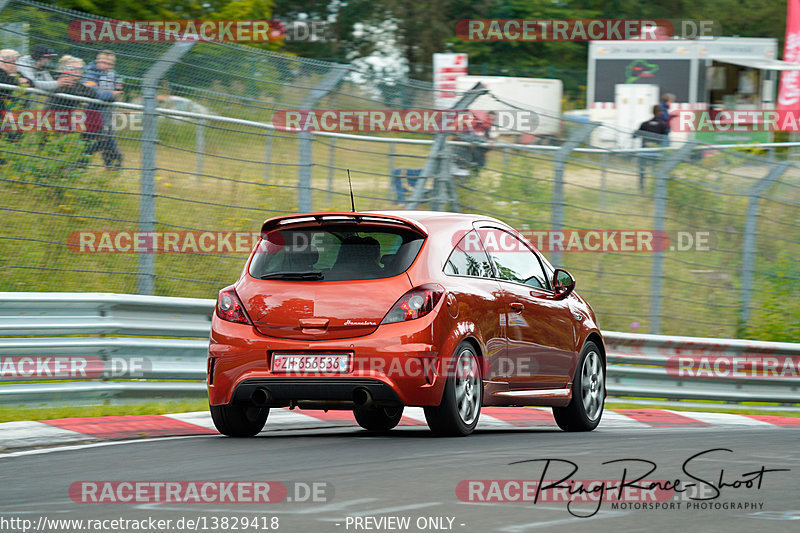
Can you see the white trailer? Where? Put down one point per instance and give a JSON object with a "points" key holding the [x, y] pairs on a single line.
{"points": [[540, 95]]}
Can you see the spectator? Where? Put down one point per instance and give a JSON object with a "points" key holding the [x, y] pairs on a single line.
{"points": [[472, 158], [9, 75], [653, 132], [667, 99], [34, 68], [480, 152], [400, 177], [70, 72], [101, 76]]}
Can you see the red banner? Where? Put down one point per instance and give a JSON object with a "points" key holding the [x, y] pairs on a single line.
{"points": [[789, 92]]}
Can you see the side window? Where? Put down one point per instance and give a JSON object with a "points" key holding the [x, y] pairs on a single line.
{"points": [[514, 260], [469, 259]]}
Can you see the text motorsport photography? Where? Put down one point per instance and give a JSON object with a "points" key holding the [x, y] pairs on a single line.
{"points": [[633, 486]]}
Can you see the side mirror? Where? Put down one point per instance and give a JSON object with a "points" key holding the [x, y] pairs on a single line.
{"points": [[563, 283]]}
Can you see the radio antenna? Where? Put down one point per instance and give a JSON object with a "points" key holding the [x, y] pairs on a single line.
{"points": [[352, 202]]}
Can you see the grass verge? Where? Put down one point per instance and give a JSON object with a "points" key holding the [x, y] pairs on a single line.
{"points": [[710, 409]]}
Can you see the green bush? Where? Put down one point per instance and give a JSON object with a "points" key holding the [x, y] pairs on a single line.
{"points": [[777, 302]]}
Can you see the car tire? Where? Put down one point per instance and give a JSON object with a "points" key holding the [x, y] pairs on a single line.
{"points": [[239, 420], [378, 418], [588, 393], [460, 409]]}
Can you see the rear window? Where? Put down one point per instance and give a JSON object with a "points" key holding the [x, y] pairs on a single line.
{"points": [[335, 253]]}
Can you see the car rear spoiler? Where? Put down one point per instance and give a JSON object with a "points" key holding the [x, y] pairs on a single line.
{"points": [[306, 219]]}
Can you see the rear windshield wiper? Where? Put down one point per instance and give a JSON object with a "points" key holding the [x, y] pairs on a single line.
{"points": [[294, 275]]}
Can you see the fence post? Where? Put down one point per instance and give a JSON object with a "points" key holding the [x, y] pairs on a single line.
{"points": [[304, 172], [441, 178], [200, 145], [559, 162], [326, 85], [267, 155], [750, 235], [390, 194], [603, 181], [659, 215], [147, 208], [331, 163]]}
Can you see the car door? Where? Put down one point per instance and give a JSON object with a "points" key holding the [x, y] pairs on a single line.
{"points": [[539, 329], [478, 298]]}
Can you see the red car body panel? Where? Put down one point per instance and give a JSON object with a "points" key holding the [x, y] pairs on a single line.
{"points": [[345, 308], [410, 357]]}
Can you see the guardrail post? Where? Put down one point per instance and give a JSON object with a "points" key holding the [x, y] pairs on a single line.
{"points": [[326, 85], [750, 235], [147, 208], [659, 215], [559, 162]]}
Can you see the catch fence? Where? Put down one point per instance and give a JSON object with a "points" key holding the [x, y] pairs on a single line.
{"points": [[201, 154]]}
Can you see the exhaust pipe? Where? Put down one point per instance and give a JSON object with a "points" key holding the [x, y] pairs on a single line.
{"points": [[260, 397], [362, 397]]}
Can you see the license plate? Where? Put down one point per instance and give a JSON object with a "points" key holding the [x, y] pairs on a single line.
{"points": [[307, 363]]}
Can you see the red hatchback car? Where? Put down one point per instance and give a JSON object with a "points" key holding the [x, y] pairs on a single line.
{"points": [[374, 311]]}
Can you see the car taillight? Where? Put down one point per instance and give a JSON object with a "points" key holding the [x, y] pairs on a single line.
{"points": [[416, 303], [230, 308]]}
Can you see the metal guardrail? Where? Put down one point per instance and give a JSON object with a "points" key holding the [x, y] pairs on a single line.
{"points": [[170, 335]]}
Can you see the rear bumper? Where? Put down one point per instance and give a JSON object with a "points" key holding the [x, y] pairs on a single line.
{"points": [[283, 390], [397, 364]]}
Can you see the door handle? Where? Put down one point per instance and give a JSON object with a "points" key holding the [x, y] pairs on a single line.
{"points": [[517, 306], [317, 323]]}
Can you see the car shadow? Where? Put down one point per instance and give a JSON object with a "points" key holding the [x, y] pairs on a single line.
{"points": [[403, 433]]}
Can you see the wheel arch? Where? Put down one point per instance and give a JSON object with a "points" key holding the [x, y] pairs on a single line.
{"points": [[595, 337], [478, 350]]}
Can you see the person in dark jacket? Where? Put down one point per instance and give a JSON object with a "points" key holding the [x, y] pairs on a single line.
{"points": [[9, 75], [667, 99], [71, 70], [653, 132], [101, 76]]}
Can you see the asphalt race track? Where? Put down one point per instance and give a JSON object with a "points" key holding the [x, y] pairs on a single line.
{"points": [[375, 482]]}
